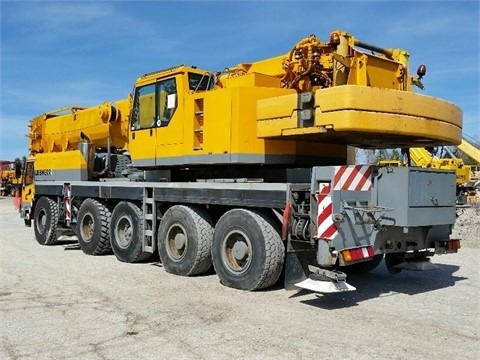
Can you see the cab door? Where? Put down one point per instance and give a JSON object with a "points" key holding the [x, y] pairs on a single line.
{"points": [[153, 139], [170, 123], [143, 126]]}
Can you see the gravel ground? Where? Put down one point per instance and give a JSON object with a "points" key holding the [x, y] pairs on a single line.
{"points": [[467, 226], [57, 303]]}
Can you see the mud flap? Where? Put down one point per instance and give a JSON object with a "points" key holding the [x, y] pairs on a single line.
{"points": [[296, 268]]}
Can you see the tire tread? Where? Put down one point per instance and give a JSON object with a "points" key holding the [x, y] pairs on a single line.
{"points": [[274, 252], [105, 215], [52, 211], [203, 261]]}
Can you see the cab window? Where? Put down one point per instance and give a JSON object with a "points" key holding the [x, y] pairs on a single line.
{"points": [[143, 114], [199, 82], [167, 101], [154, 104]]}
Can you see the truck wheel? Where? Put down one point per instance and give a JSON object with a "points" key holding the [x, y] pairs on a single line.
{"points": [[364, 267], [248, 252], [185, 240], [45, 221], [126, 231], [93, 228]]}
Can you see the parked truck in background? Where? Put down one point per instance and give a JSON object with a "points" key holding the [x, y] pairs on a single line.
{"points": [[251, 169], [11, 177]]}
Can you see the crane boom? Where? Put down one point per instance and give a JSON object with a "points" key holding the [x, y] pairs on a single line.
{"points": [[470, 150]]}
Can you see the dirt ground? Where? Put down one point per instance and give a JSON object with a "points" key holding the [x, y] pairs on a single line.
{"points": [[57, 303], [467, 225]]}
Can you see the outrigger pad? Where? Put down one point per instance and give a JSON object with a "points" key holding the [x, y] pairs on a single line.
{"points": [[325, 287]]}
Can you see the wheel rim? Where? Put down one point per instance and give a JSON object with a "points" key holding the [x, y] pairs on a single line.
{"points": [[236, 252], [87, 227], [41, 221], [177, 242], [124, 232]]}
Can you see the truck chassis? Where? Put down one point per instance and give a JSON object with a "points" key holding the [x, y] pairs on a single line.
{"points": [[252, 232]]}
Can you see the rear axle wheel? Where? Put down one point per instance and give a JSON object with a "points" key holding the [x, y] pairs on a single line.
{"points": [[185, 240], [247, 250]]}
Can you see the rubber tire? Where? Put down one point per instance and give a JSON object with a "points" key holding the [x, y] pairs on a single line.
{"points": [[132, 252], [267, 250], [365, 266], [48, 209], [196, 224], [99, 243]]}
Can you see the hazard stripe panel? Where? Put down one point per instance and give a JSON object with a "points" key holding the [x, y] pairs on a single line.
{"points": [[68, 202], [353, 177], [326, 228]]}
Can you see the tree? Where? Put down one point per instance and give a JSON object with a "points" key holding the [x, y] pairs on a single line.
{"points": [[395, 155], [365, 156]]}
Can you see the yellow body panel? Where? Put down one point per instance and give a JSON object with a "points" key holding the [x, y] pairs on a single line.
{"points": [[374, 99], [253, 79], [69, 160], [227, 132], [376, 71], [357, 114]]}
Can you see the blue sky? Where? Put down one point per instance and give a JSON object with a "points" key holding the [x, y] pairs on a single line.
{"points": [[55, 54]]}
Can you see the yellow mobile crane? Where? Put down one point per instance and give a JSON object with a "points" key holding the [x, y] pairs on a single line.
{"points": [[249, 169], [10, 176], [466, 177], [423, 158], [470, 150], [474, 181]]}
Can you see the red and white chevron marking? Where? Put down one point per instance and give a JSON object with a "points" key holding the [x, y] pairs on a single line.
{"points": [[326, 228], [68, 202], [353, 177]]}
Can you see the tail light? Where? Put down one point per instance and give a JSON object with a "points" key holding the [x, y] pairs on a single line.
{"points": [[447, 246], [453, 245], [356, 254]]}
